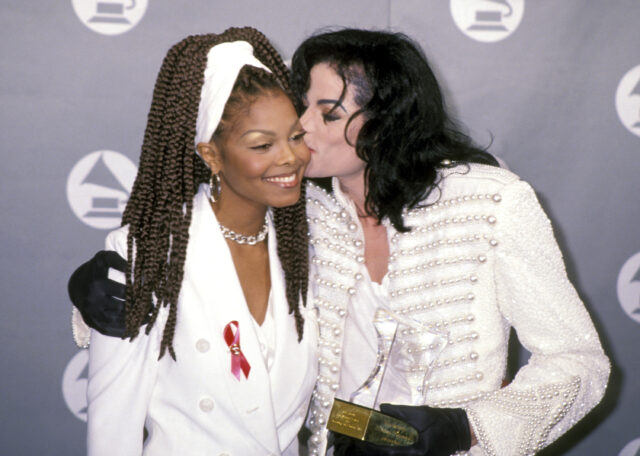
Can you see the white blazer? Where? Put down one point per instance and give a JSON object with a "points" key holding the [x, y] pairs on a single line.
{"points": [[195, 406]]}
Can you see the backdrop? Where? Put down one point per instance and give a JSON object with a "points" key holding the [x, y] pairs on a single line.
{"points": [[552, 87]]}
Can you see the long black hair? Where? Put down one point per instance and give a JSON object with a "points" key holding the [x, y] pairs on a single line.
{"points": [[407, 134]]}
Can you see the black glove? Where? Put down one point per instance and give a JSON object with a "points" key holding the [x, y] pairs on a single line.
{"points": [[99, 299], [441, 432]]}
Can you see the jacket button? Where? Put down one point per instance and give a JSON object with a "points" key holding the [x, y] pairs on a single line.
{"points": [[206, 404], [202, 345]]}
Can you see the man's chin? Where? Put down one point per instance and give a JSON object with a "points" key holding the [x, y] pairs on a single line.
{"points": [[315, 173]]}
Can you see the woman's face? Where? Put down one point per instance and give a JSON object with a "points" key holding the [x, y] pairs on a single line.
{"points": [[325, 122], [261, 156]]}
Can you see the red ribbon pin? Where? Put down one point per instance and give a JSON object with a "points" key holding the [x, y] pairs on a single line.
{"points": [[238, 360]]}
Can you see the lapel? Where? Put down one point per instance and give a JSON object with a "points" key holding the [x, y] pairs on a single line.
{"points": [[279, 300], [291, 363], [213, 278]]}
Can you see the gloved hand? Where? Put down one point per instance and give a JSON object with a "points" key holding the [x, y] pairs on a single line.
{"points": [[441, 432], [99, 299]]}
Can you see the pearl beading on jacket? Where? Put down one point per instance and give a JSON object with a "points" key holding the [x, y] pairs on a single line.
{"points": [[442, 273], [347, 249]]}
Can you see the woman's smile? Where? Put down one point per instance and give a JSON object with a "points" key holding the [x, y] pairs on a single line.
{"points": [[285, 180]]}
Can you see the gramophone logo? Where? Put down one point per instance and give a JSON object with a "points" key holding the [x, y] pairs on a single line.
{"points": [[628, 100], [629, 287], [98, 188], [631, 449], [74, 384], [110, 17], [487, 20]]}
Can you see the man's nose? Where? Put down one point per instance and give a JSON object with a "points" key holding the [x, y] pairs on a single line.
{"points": [[305, 120]]}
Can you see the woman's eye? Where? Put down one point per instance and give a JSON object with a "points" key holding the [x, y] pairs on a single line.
{"points": [[265, 146], [298, 136], [329, 117]]}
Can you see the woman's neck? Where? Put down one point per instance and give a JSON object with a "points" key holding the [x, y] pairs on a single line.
{"points": [[245, 219]]}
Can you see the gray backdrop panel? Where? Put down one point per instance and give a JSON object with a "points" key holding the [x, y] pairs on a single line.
{"points": [[543, 98]]}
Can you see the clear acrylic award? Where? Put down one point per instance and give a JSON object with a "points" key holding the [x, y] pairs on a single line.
{"points": [[407, 350]]}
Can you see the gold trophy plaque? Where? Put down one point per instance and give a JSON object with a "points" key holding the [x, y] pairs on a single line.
{"points": [[406, 351]]}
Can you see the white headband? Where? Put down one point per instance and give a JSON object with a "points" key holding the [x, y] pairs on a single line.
{"points": [[224, 62]]}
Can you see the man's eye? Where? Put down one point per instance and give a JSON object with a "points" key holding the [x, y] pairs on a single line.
{"points": [[328, 117]]}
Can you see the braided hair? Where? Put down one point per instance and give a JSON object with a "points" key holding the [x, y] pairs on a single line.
{"points": [[160, 207]]}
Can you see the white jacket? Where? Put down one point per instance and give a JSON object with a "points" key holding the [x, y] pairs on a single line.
{"points": [[195, 406], [480, 260]]}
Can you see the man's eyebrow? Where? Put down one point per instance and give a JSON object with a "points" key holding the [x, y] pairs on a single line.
{"points": [[336, 103]]}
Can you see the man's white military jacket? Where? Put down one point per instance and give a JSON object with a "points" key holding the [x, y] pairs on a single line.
{"points": [[479, 260]]}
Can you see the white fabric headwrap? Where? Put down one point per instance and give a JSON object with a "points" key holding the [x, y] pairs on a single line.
{"points": [[224, 62]]}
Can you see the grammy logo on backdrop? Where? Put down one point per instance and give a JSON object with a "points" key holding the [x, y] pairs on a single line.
{"points": [[628, 100], [98, 188], [103, 206], [492, 19], [487, 20], [636, 91], [628, 287], [111, 12], [110, 17]]}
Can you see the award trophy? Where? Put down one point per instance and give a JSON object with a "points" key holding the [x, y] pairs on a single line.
{"points": [[406, 351]]}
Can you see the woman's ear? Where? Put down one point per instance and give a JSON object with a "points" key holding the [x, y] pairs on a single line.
{"points": [[210, 153]]}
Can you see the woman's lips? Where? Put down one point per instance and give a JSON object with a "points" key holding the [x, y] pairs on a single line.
{"points": [[284, 180]]}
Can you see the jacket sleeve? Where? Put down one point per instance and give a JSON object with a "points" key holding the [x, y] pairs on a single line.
{"points": [[81, 332], [122, 375], [567, 372]]}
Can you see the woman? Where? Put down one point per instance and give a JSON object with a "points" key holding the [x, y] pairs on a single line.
{"points": [[419, 222], [204, 276]]}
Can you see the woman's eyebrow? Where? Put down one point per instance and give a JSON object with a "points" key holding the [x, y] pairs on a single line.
{"points": [[257, 130]]}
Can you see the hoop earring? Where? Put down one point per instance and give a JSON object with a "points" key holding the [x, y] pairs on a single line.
{"points": [[214, 188]]}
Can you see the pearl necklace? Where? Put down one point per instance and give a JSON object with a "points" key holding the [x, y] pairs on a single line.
{"points": [[241, 238]]}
